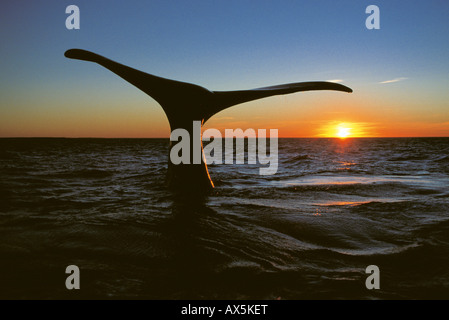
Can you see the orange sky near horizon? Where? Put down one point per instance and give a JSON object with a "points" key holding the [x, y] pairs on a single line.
{"points": [[309, 114]]}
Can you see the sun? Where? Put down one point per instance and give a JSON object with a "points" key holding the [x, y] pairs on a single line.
{"points": [[343, 132]]}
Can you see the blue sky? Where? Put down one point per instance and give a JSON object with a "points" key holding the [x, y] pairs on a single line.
{"points": [[400, 73]]}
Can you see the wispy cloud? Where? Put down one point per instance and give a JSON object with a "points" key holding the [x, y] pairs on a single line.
{"points": [[335, 80], [393, 80]]}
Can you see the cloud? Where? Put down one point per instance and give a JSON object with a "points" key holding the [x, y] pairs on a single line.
{"points": [[335, 80], [393, 80]]}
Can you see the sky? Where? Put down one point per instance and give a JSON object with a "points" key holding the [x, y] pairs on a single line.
{"points": [[399, 73]]}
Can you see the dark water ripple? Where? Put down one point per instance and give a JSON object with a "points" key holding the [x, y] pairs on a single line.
{"points": [[333, 208]]}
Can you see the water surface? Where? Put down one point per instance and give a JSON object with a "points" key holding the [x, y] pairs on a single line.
{"points": [[308, 232]]}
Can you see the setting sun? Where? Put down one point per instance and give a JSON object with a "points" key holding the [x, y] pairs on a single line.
{"points": [[343, 132]]}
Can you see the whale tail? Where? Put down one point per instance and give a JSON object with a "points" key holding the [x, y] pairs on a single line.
{"points": [[186, 100], [184, 103]]}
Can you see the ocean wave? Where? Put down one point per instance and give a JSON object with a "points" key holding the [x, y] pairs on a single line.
{"points": [[443, 159], [8, 155], [409, 158], [298, 159], [380, 251], [81, 174]]}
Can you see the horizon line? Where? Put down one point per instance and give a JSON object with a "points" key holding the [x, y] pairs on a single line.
{"points": [[345, 138]]}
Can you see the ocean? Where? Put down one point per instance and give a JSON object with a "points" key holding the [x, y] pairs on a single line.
{"points": [[335, 207]]}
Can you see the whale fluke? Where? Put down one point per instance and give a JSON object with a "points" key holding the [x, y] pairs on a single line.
{"points": [[226, 99], [185, 102]]}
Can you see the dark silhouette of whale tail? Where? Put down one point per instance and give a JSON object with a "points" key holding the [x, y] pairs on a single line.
{"points": [[184, 103]]}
